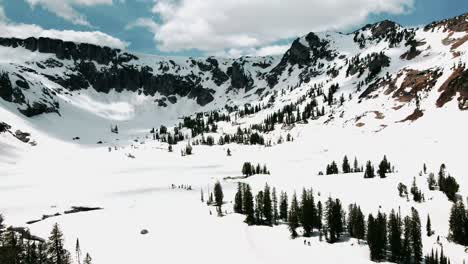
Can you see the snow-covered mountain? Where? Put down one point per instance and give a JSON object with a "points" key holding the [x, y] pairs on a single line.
{"points": [[381, 90]]}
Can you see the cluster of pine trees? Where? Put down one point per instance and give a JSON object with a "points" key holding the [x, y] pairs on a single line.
{"points": [[396, 240], [447, 184], [249, 169], [293, 113], [346, 167], [436, 259], [18, 246], [369, 172], [389, 238], [259, 210], [384, 168], [242, 136], [458, 223]]}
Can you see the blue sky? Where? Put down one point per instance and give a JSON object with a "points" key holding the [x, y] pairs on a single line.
{"points": [[198, 28]]}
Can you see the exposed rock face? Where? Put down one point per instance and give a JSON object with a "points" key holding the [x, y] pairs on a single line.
{"points": [[238, 77], [70, 50], [119, 74], [303, 56], [457, 83], [8, 91], [457, 24], [4, 127]]}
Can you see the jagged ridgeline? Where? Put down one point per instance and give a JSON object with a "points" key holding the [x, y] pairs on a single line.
{"points": [[45, 69]]}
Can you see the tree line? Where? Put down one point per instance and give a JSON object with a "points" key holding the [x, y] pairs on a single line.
{"points": [[18, 246], [391, 238], [369, 171]]}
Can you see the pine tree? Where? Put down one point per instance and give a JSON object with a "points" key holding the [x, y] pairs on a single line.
{"points": [[248, 206], [356, 165], [293, 218], [431, 181], [78, 251], [406, 248], [88, 259], [275, 207], [384, 167], [346, 167], [369, 172], [259, 216], [394, 236], [267, 206], [318, 221], [416, 240], [307, 215], [284, 207], [356, 222], [56, 252], [219, 196], [428, 226], [377, 236], [334, 219], [457, 223], [238, 200]]}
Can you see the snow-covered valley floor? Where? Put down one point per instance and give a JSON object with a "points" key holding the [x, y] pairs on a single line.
{"points": [[136, 193]]}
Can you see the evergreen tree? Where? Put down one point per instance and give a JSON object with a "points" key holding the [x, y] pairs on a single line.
{"points": [[406, 246], [416, 240], [377, 236], [428, 226], [283, 214], [307, 215], [267, 206], [318, 221], [356, 165], [88, 259], [384, 167], [431, 181], [238, 200], [458, 222], [219, 196], [78, 251], [356, 222], [248, 206], [369, 172], [293, 218], [275, 206], [259, 216], [394, 236], [247, 169], [334, 219], [56, 252], [346, 167]]}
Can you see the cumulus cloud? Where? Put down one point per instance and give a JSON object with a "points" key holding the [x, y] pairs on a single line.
{"points": [[213, 25], [92, 37], [65, 8]]}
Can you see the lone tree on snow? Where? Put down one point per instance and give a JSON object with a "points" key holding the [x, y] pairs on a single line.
{"points": [[219, 196]]}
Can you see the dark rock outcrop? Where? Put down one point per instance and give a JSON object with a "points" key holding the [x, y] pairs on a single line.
{"points": [[70, 50], [239, 79]]}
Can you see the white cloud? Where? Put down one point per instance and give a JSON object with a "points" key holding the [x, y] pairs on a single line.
{"points": [[92, 37], [272, 50], [147, 23], [263, 51], [65, 8], [213, 25]]}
